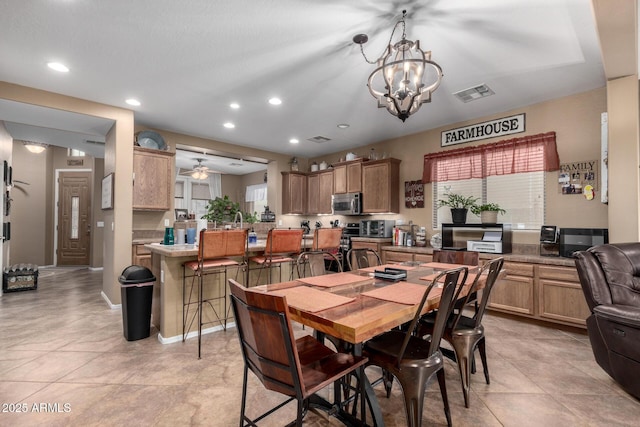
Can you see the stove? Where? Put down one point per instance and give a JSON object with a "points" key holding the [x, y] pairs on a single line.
{"points": [[349, 230]]}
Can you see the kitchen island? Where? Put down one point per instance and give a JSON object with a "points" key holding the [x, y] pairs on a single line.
{"points": [[167, 307]]}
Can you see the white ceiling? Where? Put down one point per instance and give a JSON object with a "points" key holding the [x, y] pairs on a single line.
{"points": [[186, 60]]}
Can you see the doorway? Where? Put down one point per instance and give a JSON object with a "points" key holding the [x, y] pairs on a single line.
{"points": [[74, 218]]}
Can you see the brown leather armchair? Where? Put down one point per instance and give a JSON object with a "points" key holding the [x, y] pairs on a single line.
{"points": [[610, 278]]}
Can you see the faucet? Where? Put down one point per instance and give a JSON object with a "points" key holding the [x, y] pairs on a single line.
{"points": [[235, 219]]}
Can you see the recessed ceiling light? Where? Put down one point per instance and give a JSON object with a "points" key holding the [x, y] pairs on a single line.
{"points": [[294, 141], [58, 67], [234, 105], [275, 101], [343, 125], [132, 101], [229, 125]]}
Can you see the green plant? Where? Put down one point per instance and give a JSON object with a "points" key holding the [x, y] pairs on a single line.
{"points": [[221, 209], [458, 201], [477, 209], [250, 217]]}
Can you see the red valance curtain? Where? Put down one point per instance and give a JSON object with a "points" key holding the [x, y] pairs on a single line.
{"points": [[517, 155]]}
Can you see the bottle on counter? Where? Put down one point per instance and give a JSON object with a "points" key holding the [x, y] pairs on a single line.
{"points": [[168, 236], [253, 236]]}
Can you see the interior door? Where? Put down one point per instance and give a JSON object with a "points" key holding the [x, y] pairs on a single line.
{"points": [[74, 218]]}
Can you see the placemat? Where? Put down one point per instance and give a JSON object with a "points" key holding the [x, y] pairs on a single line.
{"points": [[382, 267], [312, 300], [402, 292], [445, 266], [331, 280], [470, 277]]}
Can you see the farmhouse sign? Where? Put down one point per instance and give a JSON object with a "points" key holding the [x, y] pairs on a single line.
{"points": [[484, 130]]}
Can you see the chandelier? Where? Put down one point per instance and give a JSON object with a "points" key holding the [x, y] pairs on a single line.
{"points": [[397, 82]]}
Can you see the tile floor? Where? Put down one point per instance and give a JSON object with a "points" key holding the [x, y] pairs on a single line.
{"points": [[64, 361]]}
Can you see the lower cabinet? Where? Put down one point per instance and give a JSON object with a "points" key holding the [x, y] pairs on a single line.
{"points": [[550, 293], [514, 293], [560, 295], [141, 256]]}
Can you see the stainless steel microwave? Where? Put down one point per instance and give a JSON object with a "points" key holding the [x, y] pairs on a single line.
{"points": [[347, 204]]}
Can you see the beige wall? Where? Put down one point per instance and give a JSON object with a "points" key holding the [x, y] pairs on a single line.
{"points": [[31, 210], [576, 121], [6, 148]]}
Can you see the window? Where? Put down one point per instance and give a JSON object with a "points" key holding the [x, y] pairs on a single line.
{"points": [[521, 195], [193, 194], [72, 152], [256, 197], [510, 173]]}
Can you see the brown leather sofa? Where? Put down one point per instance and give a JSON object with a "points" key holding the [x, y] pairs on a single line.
{"points": [[610, 278]]}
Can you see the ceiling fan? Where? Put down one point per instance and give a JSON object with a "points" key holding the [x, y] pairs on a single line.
{"points": [[199, 170]]}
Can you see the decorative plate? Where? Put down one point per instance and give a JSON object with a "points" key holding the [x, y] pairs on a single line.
{"points": [[150, 139]]}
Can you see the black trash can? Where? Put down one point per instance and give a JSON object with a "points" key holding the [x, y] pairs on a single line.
{"points": [[137, 293]]}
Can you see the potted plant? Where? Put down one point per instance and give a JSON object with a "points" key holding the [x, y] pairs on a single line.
{"points": [[221, 209], [459, 205], [488, 212]]}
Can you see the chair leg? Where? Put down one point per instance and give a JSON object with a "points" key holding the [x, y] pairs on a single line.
{"points": [[483, 356], [445, 399], [243, 405], [387, 379], [464, 347], [200, 300], [414, 384]]}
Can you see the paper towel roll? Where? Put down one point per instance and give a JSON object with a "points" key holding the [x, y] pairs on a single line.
{"points": [[180, 236]]}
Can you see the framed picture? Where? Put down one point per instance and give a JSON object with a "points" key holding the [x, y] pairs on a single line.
{"points": [[6, 172], [182, 214], [107, 192]]}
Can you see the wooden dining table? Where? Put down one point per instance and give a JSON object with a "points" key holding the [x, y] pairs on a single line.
{"points": [[355, 306]]}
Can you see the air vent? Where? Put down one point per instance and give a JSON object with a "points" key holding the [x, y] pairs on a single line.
{"points": [[474, 93], [235, 164], [319, 139], [88, 141]]}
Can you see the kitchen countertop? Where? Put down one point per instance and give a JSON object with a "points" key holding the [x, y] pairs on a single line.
{"points": [[192, 250], [513, 257]]}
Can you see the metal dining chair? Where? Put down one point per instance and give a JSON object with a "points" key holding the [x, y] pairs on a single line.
{"points": [[283, 246], [297, 368], [471, 258], [466, 334], [362, 258], [218, 250], [412, 359]]}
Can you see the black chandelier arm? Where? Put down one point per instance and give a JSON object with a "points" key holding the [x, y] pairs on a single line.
{"points": [[361, 39]]}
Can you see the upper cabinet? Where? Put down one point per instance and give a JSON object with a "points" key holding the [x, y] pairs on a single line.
{"points": [[152, 180], [294, 192], [380, 186], [319, 190], [347, 177]]}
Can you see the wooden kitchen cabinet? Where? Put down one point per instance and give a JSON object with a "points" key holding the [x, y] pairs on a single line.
{"points": [[347, 177], [394, 257], [319, 191], [152, 179], [294, 192], [560, 295], [381, 186], [140, 256], [515, 292]]}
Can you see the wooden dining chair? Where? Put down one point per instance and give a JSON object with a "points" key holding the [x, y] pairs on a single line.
{"points": [[297, 368], [362, 258], [218, 250], [466, 334], [283, 246], [414, 360]]}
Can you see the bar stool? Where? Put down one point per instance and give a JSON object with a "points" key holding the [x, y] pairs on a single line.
{"points": [[328, 240], [283, 246], [217, 251]]}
